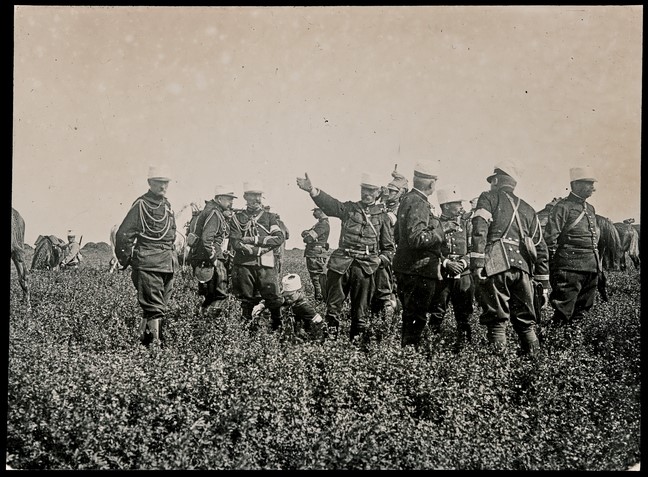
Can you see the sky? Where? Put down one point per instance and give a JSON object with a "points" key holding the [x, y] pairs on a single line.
{"points": [[226, 95]]}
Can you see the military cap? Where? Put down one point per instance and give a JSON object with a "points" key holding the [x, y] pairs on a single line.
{"points": [[507, 168], [369, 181], [224, 189], [581, 174], [397, 183], [425, 170], [159, 173], [449, 194], [291, 282], [71, 233], [254, 187]]}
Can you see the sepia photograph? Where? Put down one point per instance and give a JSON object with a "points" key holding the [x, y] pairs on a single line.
{"points": [[325, 238]]}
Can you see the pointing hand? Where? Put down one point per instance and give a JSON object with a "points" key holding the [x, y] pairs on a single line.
{"points": [[304, 183]]}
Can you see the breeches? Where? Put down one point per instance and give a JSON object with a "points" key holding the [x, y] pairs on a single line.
{"points": [[384, 283], [416, 294], [507, 295], [459, 292], [358, 286], [316, 265], [153, 292], [246, 281], [572, 293]]}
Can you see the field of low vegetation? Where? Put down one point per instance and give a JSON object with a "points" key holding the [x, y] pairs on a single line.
{"points": [[83, 394]]}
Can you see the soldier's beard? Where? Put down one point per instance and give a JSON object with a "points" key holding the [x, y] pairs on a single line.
{"points": [[254, 208]]}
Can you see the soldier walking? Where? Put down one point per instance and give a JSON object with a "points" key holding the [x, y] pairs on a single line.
{"points": [[316, 251], [145, 241], [503, 265], [366, 242]]}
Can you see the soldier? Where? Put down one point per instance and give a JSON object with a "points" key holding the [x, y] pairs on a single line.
{"points": [[457, 284], [254, 235], [72, 253], [209, 252], [316, 251], [417, 262], [145, 241], [366, 243], [503, 262], [308, 323], [384, 298], [572, 237]]}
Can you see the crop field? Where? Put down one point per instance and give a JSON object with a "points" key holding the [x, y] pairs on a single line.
{"points": [[84, 394]]}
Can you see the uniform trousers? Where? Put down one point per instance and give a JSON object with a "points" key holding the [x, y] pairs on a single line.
{"points": [[358, 286], [572, 294], [251, 284], [153, 292], [459, 292], [508, 296], [416, 294]]}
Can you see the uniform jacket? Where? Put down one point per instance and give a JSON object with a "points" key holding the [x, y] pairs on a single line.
{"points": [[146, 237], [259, 230], [316, 238], [213, 239], [491, 218], [420, 236], [366, 233], [457, 242], [576, 248]]}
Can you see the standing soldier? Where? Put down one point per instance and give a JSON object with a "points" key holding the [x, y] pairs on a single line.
{"points": [[503, 263], [456, 286], [145, 241], [316, 251], [417, 263], [254, 235], [366, 242], [572, 238], [208, 253], [385, 294], [72, 251]]}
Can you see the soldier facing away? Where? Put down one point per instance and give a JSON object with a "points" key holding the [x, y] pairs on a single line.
{"points": [[502, 265]]}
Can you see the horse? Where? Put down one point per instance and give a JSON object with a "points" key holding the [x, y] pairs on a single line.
{"points": [[609, 245], [49, 252], [18, 254], [629, 237]]}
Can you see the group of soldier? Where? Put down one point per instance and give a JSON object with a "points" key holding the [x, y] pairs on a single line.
{"points": [[394, 249]]}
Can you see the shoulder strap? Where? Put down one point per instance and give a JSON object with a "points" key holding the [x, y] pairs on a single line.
{"points": [[369, 221], [514, 216]]}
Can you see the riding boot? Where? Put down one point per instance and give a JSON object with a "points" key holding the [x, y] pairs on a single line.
{"points": [[496, 335], [142, 332], [154, 329], [332, 328], [464, 335], [317, 287]]}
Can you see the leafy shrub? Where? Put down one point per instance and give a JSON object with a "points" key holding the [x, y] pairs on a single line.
{"points": [[84, 394]]}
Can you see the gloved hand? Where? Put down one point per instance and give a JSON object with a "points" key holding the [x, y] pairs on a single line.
{"points": [[247, 239], [256, 311], [249, 250], [384, 260], [455, 267]]}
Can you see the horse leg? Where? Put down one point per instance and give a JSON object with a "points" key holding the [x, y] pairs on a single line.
{"points": [[23, 278]]}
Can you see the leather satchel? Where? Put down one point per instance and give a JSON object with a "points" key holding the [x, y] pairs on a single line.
{"points": [[496, 258]]}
